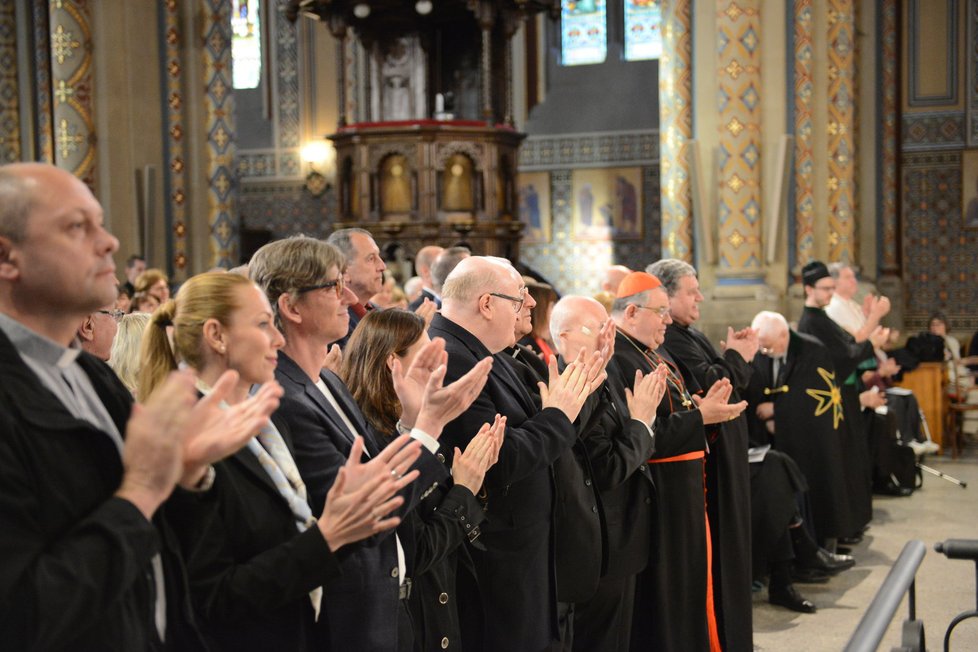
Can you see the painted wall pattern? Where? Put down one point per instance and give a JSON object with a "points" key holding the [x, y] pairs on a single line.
{"points": [[888, 207], [676, 126], [589, 150], [70, 39], [174, 152], [842, 131], [9, 100], [44, 125], [284, 209], [219, 104], [739, 179], [933, 130], [803, 73]]}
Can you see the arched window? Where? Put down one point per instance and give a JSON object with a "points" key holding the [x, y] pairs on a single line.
{"points": [[643, 30], [583, 32], [246, 43]]}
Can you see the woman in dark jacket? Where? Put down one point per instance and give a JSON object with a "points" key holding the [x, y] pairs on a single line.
{"points": [[448, 516], [256, 557]]}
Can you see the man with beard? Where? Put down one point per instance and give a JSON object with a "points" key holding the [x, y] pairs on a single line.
{"points": [[727, 473], [846, 355], [674, 603]]}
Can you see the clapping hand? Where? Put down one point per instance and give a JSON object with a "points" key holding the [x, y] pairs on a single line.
{"points": [[743, 342], [567, 391], [648, 391], [714, 407], [469, 468]]}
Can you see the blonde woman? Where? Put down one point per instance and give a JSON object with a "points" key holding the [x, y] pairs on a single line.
{"points": [[124, 357]]}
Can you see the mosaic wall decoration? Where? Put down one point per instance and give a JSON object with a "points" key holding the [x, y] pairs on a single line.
{"points": [[219, 104], [9, 100], [575, 267], [174, 152], [842, 130], [938, 252], [969, 189], [887, 168], [71, 81], [739, 180], [933, 130], [44, 127], [589, 150], [284, 209], [533, 189], [803, 73], [676, 125]]}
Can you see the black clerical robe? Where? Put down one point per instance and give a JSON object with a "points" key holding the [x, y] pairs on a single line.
{"points": [[671, 604], [728, 483], [846, 355], [808, 422]]}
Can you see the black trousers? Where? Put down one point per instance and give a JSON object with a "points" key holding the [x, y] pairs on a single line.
{"points": [[604, 623]]}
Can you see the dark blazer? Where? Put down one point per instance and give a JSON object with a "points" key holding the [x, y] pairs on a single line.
{"points": [[516, 570], [359, 608], [617, 448], [250, 569], [425, 294], [76, 571]]}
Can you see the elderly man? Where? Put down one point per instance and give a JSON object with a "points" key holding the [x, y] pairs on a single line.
{"points": [[482, 300], [84, 474], [423, 261], [846, 354], [98, 330], [367, 608], [615, 441], [674, 595], [727, 473], [440, 269], [364, 271]]}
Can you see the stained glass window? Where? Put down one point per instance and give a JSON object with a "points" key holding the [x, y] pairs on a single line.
{"points": [[643, 29], [583, 32], [246, 43]]}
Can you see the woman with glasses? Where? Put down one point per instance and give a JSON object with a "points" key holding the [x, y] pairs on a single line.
{"points": [[257, 559], [448, 516]]}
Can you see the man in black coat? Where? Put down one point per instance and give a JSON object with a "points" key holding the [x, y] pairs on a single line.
{"points": [[846, 355], [87, 563], [366, 608], [482, 300], [615, 442], [727, 472], [673, 595]]}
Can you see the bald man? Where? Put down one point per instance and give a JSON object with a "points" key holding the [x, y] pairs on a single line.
{"points": [[613, 276], [423, 261], [482, 301]]}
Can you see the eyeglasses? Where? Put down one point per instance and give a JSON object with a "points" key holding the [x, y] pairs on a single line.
{"points": [[661, 312], [114, 314], [517, 301], [830, 288], [338, 285]]}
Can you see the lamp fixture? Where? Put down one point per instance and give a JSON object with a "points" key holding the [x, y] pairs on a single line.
{"points": [[361, 10], [321, 159]]}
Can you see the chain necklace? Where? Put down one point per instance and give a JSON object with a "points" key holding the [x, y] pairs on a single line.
{"points": [[671, 377]]}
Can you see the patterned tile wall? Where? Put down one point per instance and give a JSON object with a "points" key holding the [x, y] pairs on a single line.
{"points": [[9, 100]]}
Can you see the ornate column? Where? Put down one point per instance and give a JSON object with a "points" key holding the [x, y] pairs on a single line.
{"points": [[175, 172], [739, 181], [219, 102], [804, 72], [842, 131], [44, 129], [676, 128], [338, 29], [9, 96], [70, 35], [888, 172]]}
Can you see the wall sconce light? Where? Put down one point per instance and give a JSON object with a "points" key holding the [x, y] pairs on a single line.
{"points": [[361, 10], [320, 157]]}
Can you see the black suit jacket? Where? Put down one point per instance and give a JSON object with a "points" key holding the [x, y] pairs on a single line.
{"points": [[76, 571], [360, 607], [425, 294], [250, 569], [516, 570]]}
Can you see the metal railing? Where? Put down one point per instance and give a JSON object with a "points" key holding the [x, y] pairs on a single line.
{"points": [[875, 621]]}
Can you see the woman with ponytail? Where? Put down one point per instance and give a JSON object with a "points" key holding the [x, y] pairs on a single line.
{"points": [[257, 559]]}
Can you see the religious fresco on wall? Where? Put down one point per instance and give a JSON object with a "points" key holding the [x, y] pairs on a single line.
{"points": [[643, 30], [583, 32], [969, 189], [534, 193], [607, 204]]}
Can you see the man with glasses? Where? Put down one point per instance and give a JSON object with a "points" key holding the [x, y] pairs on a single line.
{"points": [[847, 355], [96, 333], [364, 271], [482, 300], [680, 552]]}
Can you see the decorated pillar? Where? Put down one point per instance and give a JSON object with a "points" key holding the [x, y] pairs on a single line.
{"points": [[44, 127], [739, 110], [804, 72], [219, 102], [10, 150], [70, 39], [842, 131], [888, 171], [676, 128], [174, 147]]}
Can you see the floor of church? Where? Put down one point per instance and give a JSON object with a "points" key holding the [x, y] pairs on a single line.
{"points": [[939, 510]]}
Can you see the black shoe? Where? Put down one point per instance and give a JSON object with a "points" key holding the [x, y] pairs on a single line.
{"points": [[851, 541], [788, 597], [829, 563], [808, 576]]}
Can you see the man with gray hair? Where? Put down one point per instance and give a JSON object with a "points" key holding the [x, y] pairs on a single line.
{"points": [[727, 473], [441, 267], [364, 271], [482, 300]]}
